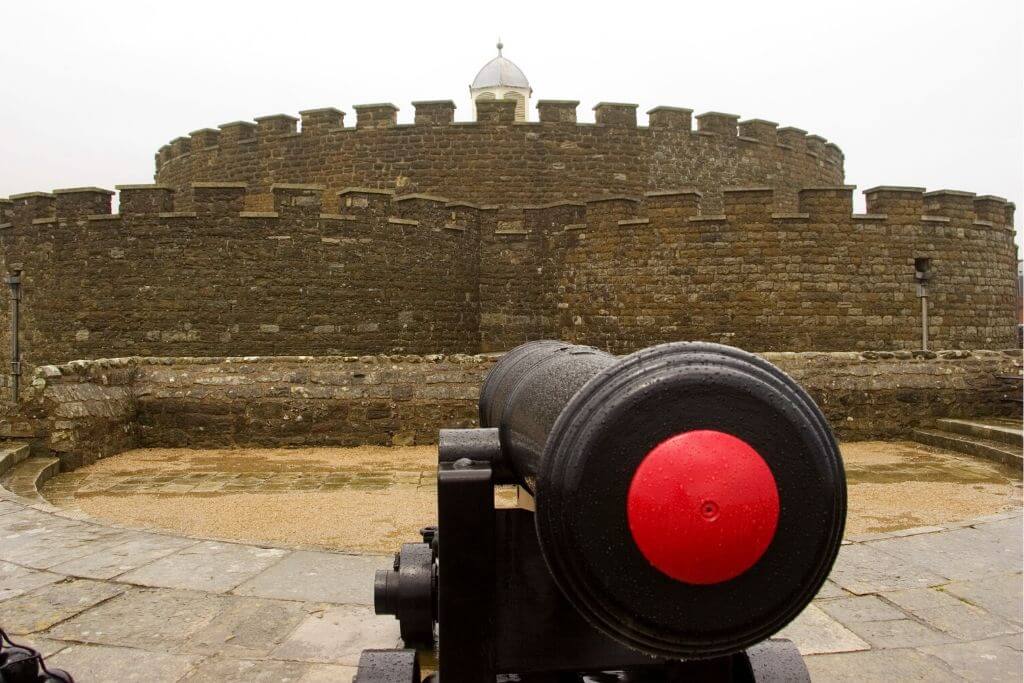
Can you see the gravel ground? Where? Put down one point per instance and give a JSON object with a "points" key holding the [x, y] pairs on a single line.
{"points": [[370, 499]]}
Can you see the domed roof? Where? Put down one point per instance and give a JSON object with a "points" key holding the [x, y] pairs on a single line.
{"points": [[500, 71]]}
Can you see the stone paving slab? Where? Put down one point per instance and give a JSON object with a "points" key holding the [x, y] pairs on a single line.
{"points": [[861, 608], [960, 554], [899, 633], [16, 580], [137, 550], [308, 575], [158, 620], [103, 664], [338, 635], [39, 610], [966, 622], [981, 661], [38, 540], [206, 566], [814, 632], [882, 666], [248, 627], [939, 604], [1001, 595], [219, 669], [863, 569]]}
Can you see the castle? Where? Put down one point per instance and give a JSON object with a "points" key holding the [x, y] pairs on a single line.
{"points": [[304, 236]]}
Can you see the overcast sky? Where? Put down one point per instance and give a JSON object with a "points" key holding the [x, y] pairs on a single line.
{"points": [[915, 93]]}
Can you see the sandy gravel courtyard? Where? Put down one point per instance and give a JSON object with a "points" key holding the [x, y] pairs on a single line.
{"points": [[371, 499]]}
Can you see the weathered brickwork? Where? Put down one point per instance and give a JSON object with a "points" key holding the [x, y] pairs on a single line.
{"points": [[496, 161], [373, 272], [820, 279], [89, 409]]}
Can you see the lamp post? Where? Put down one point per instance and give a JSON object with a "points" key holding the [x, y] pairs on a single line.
{"points": [[13, 281]]}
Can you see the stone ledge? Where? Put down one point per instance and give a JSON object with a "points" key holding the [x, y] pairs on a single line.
{"points": [[220, 186], [363, 190]]}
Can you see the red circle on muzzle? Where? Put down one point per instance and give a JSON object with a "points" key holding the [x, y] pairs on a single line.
{"points": [[703, 506]]}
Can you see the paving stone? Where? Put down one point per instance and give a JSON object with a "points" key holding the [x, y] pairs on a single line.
{"points": [[226, 669], [898, 633], [46, 540], [247, 627], [42, 608], [44, 646], [328, 673], [16, 580], [830, 590], [861, 608], [959, 554], [146, 618], [981, 661], [884, 666], [815, 632], [103, 664], [863, 569], [206, 566], [138, 550], [1000, 595], [1009, 523], [7, 506], [318, 576], [338, 635], [1014, 642], [966, 622], [916, 599]]}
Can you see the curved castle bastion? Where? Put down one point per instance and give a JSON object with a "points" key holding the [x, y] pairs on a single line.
{"points": [[497, 160], [367, 271]]}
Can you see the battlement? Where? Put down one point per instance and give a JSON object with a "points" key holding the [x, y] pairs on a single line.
{"points": [[441, 114], [319, 270], [743, 206]]}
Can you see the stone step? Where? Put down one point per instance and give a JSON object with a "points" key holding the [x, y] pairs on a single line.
{"points": [[970, 445], [1004, 431], [25, 478], [12, 453]]}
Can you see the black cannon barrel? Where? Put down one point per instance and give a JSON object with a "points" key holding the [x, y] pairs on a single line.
{"points": [[526, 392], [690, 497]]}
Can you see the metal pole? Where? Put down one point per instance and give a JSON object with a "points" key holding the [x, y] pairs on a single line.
{"points": [[924, 318], [13, 281]]}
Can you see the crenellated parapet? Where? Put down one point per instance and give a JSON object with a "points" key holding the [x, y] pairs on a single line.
{"points": [[363, 269], [741, 205], [494, 159]]}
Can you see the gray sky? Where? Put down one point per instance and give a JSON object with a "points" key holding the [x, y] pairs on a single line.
{"points": [[915, 93]]}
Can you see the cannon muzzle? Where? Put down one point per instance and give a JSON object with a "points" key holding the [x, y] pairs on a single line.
{"points": [[690, 497]]}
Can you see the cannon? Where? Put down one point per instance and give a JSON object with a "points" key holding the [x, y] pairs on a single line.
{"points": [[678, 506]]}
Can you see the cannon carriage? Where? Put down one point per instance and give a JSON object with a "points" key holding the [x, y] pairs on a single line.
{"points": [[678, 507]]}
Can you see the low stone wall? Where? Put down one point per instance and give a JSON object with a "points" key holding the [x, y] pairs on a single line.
{"points": [[89, 409], [880, 394], [296, 401], [79, 411]]}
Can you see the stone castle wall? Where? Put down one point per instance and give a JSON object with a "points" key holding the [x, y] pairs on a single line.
{"points": [[88, 409], [496, 160], [374, 273]]}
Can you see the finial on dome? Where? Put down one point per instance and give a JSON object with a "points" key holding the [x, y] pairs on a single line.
{"points": [[500, 45]]}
